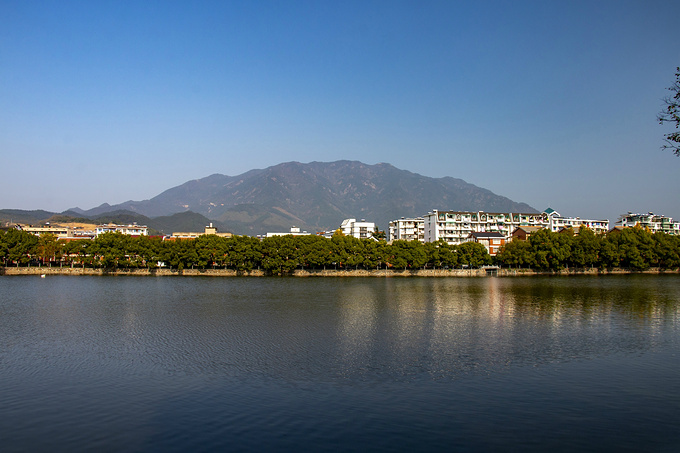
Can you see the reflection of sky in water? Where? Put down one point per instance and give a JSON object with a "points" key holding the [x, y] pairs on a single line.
{"points": [[296, 327], [184, 364]]}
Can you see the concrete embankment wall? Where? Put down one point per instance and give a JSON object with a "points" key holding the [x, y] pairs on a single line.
{"points": [[317, 273], [130, 272]]}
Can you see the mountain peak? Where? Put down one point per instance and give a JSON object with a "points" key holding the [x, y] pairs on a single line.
{"points": [[318, 196]]}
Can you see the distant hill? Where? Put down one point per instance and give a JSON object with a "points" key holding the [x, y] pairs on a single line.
{"points": [[21, 216], [316, 196], [182, 221]]}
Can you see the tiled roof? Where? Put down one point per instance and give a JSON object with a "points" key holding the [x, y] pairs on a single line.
{"points": [[529, 228], [487, 235]]}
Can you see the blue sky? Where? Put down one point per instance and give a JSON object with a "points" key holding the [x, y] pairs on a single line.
{"points": [[549, 103]]}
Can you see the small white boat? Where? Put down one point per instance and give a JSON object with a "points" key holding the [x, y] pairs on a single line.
{"points": [[42, 275]]}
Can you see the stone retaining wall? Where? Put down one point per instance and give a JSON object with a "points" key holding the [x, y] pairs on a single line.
{"points": [[317, 273]]}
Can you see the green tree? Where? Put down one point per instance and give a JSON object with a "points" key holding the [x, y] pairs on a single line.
{"points": [[400, 255], [147, 251], [671, 114], [244, 253], [667, 250], [433, 254], [636, 248], [354, 251], [186, 257], [473, 254], [279, 254], [610, 250], [314, 251], [110, 249], [49, 248], [585, 250], [210, 250], [19, 247], [516, 254], [346, 251], [380, 235], [408, 254], [374, 254], [551, 250]]}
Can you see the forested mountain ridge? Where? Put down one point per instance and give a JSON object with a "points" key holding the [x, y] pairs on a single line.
{"points": [[316, 196]]}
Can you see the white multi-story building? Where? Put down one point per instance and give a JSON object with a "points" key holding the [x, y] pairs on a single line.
{"points": [[653, 222], [361, 230], [132, 230], [350, 227], [455, 226], [407, 229], [294, 231], [557, 223]]}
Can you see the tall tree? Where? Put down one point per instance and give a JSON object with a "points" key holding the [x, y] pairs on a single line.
{"points": [[671, 114], [585, 249], [48, 247], [551, 250], [473, 254], [516, 253]]}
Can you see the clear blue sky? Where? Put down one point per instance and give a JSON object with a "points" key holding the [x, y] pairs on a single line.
{"points": [[550, 103]]}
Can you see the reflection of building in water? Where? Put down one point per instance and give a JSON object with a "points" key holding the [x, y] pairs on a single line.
{"points": [[500, 303], [411, 307], [359, 313], [449, 326]]}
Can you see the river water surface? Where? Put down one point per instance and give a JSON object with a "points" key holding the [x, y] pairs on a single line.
{"points": [[340, 364]]}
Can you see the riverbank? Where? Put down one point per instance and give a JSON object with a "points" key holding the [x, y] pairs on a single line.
{"points": [[484, 272]]}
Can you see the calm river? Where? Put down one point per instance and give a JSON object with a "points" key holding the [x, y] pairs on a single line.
{"points": [[195, 364]]}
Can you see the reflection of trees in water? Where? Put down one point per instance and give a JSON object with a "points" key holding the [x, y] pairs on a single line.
{"points": [[637, 296], [448, 327], [367, 328]]}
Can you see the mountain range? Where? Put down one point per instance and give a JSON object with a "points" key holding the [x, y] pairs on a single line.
{"points": [[314, 196]]}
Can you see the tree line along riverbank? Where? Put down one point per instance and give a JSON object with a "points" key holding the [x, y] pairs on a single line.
{"points": [[631, 249]]}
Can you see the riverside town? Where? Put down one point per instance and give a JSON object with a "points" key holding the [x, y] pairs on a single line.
{"points": [[439, 242]]}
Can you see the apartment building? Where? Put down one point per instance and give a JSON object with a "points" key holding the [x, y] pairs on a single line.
{"points": [[412, 229], [350, 227], [557, 222], [456, 226], [653, 222], [194, 234], [58, 231], [132, 230], [294, 231], [361, 229]]}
